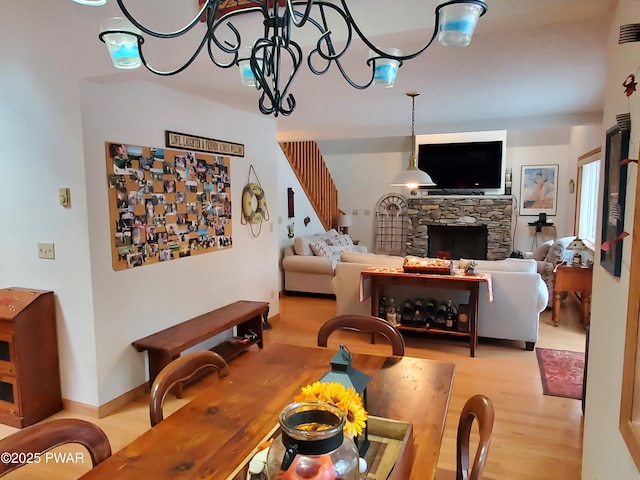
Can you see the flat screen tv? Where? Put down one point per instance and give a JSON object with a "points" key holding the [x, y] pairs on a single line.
{"points": [[469, 167]]}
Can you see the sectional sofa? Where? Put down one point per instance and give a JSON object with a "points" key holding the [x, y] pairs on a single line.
{"points": [[309, 263], [519, 294]]}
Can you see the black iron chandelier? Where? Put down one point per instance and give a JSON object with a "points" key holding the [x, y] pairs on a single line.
{"points": [[265, 63]]}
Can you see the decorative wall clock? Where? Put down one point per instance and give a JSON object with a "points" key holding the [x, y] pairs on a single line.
{"points": [[254, 204]]}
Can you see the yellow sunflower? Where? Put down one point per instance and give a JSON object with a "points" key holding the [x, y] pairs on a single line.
{"points": [[311, 393], [355, 415], [345, 399], [333, 393]]}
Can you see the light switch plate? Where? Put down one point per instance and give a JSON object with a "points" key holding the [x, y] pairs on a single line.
{"points": [[46, 250], [64, 196]]}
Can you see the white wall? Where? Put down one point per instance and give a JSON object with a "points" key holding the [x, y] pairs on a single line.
{"points": [[605, 455], [53, 131], [361, 180], [302, 208], [42, 150], [134, 303]]}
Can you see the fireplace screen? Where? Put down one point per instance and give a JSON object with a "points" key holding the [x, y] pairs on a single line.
{"points": [[457, 241]]}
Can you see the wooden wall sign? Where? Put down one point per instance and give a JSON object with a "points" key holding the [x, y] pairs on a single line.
{"points": [[166, 204], [202, 144]]}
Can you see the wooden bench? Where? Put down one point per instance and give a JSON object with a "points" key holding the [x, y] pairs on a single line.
{"points": [[168, 344]]}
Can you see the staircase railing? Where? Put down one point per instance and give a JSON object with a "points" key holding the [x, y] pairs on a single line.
{"points": [[314, 177]]}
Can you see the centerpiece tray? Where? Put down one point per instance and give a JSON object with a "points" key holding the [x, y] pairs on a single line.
{"points": [[390, 453], [429, 266]]}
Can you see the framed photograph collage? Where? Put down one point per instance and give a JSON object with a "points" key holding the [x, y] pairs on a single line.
{"points": [[166, 204]]}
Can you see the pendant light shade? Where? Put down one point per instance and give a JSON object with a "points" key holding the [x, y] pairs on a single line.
{"points": [[412, 177]]}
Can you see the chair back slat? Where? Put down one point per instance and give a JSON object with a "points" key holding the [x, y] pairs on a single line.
{"points": [[44, 436], [179, 370], [362, 323], [480, 408]]}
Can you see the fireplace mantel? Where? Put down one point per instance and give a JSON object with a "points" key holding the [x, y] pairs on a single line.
{"points": [[496, 212]]}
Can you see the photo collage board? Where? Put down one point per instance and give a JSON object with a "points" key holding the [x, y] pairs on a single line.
{"points": [[166, 204]]}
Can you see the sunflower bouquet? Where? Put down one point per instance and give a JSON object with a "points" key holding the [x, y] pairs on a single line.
{"points": [[346, 399]]}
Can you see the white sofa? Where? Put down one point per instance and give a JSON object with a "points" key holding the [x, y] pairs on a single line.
{"points": [[519, 294], [309, 263]]}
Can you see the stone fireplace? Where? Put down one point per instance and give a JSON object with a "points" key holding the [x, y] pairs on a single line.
{"points": [[491, 216]]}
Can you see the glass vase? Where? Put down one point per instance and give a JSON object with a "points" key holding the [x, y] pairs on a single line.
{"points": [[312, 445]]}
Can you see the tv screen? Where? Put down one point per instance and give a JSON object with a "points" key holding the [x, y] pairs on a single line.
{"points": [[463, 166]]}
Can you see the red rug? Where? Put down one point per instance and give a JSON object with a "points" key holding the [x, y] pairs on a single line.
{"points": [[561, 372]]}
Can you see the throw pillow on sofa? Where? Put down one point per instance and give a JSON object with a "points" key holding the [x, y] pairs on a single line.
{"points": [[541, 252], [320, 248], [302, 244], [339, 241]]}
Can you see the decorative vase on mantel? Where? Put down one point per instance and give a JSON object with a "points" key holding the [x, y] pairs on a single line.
{"points": [[312, 445]]}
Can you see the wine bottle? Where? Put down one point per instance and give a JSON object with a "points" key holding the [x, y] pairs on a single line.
{"points": [[391, 311], [450, 322], [407, 314], [419, 317], [430, 311], [382, 307], [441, 314]]}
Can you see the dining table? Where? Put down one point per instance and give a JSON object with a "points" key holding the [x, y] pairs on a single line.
{"points": [[209, 436]]}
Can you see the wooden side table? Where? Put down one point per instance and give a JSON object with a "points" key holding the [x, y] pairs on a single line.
{"points": [[573, 279]]}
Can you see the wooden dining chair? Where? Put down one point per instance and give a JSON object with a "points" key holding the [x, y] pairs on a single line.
{"points": [[362, 323], [478, 407], [181, 369], [42, 437]]}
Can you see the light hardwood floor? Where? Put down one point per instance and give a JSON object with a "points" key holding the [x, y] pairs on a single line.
{"points": [[535, 436]]}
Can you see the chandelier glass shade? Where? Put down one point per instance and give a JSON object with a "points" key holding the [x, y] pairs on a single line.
{"points": [[275, 58], [91, 3], [412, 177]]}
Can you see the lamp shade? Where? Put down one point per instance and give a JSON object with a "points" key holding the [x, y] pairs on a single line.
{"points": [[344, 221], [412, 177], [577, 244]]}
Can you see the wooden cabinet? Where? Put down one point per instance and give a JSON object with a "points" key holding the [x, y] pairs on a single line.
{"points": [[29, 370], [573, 279]]}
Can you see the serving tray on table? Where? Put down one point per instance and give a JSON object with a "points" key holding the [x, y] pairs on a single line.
{"points": [[431, 266], [390, 453]]}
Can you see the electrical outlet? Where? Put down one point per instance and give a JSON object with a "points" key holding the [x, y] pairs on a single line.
{"points": [[355, 212], [46, 250], [367, 212]]}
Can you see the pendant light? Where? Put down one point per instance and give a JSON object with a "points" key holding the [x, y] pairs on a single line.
{"points": [[412, 177]]}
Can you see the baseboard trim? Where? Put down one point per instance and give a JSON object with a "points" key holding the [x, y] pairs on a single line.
{"points": [[108, 408]]}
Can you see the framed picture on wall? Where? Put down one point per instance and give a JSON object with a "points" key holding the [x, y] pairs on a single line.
{"points": [[615, 190], [538, 189]]}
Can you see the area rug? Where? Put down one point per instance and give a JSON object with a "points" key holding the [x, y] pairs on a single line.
{"points": [[561, 372]]}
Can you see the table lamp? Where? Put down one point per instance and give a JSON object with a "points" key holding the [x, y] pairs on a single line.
{"points": [[577, 245], [344, 222]]}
